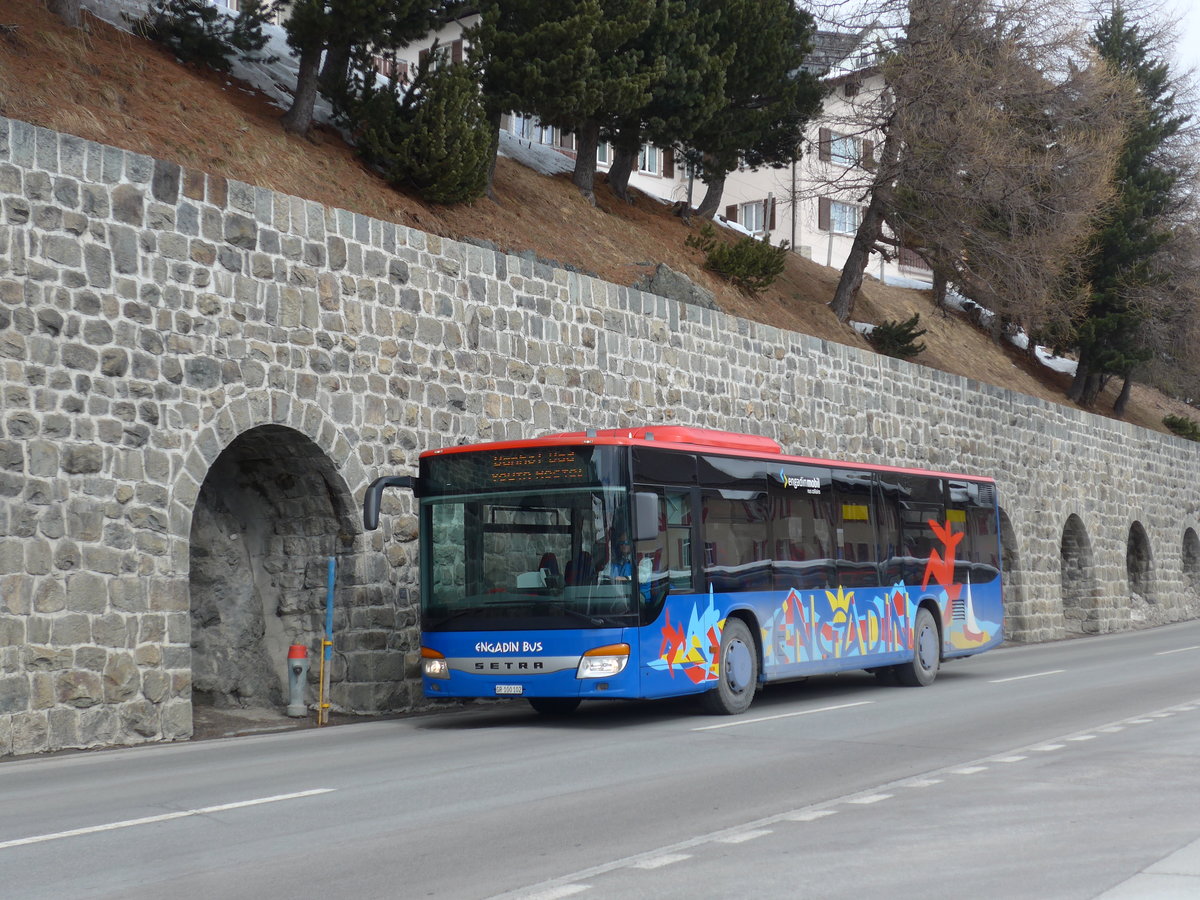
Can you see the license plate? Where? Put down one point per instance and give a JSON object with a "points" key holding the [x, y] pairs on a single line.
{"points": [[510, 689]]}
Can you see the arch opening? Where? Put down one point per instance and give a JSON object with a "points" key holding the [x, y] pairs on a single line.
{"points": [[1016, 622], [1139, 570], [1080, 615], [1191, 560], [271, 512]]}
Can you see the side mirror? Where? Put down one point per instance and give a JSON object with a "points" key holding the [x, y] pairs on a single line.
{"points": [[645, 516], [375, 493]]}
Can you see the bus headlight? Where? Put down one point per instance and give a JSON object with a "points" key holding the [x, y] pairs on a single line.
{"points": [[603, 662], [434, 664]]}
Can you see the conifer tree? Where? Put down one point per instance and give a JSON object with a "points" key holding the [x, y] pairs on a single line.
{"points": [[768, 98], [570, 63], [1109, 339], [680, 52], [337, 26]]}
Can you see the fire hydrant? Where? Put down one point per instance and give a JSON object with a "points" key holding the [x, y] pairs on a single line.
{"points": [[297, 680]]}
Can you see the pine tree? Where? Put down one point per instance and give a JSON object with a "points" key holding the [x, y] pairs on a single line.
{"points": [[768, 98], [433, 137], [571, 63], [336, 27], [1109, 339], [679, 51]]}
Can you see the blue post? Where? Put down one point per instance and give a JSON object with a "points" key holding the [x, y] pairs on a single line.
{"points": [[327, 643], [329, 608]]}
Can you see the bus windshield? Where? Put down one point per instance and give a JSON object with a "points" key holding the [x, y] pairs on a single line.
{"points": [[528, 559]]}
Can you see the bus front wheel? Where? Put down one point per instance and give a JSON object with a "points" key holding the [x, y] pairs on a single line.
{"points": [[737, 672], [554, 706], [927, 652]]}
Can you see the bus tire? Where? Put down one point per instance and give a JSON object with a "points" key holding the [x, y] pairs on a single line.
{"points": [[554, 706], [737, 672], [927, 652]]}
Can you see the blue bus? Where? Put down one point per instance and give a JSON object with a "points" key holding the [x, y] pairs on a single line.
{"points": [[661, 561]]}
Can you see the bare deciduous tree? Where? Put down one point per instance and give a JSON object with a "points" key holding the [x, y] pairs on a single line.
{"points": [[997, 133]]}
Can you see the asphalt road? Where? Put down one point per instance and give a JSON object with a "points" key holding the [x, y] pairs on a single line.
{"points": [[1058, 770]]}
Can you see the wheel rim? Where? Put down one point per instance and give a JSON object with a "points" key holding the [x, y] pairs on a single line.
{"points": [[927, 648], [739, 665]]}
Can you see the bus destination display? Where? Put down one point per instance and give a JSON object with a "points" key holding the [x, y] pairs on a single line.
{"points": [[550, 466]]}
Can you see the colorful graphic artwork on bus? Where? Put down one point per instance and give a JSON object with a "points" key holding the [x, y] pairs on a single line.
{"points": [[830, 624], [693, 649]]}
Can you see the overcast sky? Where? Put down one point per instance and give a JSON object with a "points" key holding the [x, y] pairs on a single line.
{"points": [[1188, 49]]}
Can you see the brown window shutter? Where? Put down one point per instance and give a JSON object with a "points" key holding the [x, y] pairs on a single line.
{"points": [[456, 51], [669, 163], [770, 201], [868, 154], [422, 56], [731, 213], [824, 138], [823, 213]]}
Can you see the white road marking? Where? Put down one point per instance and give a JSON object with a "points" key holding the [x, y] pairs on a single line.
{"points": [[870, 798], [571, 882], [165, 817], [808, 815], [791, 715], [742, 837], [658, 862], [556, 893], [1023, 677], [968, 770], [1082, 737], [1177, 650]]}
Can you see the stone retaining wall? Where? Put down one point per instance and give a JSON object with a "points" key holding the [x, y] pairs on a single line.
{"points": [[200, 377]]}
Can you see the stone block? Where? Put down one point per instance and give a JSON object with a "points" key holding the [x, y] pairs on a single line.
{"points": [[79, 689]]}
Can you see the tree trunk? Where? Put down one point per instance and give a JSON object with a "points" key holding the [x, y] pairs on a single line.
{"points": [[494, 119], [848, 286], [1123, 399], [712, 197], [1075, 391], [940, 284], [869, 230], [624, 157], [299, 119], [584, 176], [67, 10], [334, 70]]}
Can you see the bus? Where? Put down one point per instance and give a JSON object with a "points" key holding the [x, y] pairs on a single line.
{"points": [[662, 561]]}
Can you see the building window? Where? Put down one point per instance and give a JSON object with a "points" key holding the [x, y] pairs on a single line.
{"points": [[752, 216], [649, 160], [603, 153], [522, 126], [843, 150], [843, 218], [839, 218], [545, 134]]}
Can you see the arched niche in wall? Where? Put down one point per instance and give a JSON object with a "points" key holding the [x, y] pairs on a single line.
{"points": [[271, 512], [1139, 566], [1080, 615], [1191, 559]]}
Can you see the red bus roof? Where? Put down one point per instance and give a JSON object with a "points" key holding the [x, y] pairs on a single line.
{"points": [[693, 440]]}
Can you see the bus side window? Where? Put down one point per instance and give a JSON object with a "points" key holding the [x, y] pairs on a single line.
{"points": [[801, 531]]}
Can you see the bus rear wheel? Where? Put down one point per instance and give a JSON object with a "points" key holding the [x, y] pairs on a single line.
{"points": [[737, 672], [927, 652], [554, 706]]}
